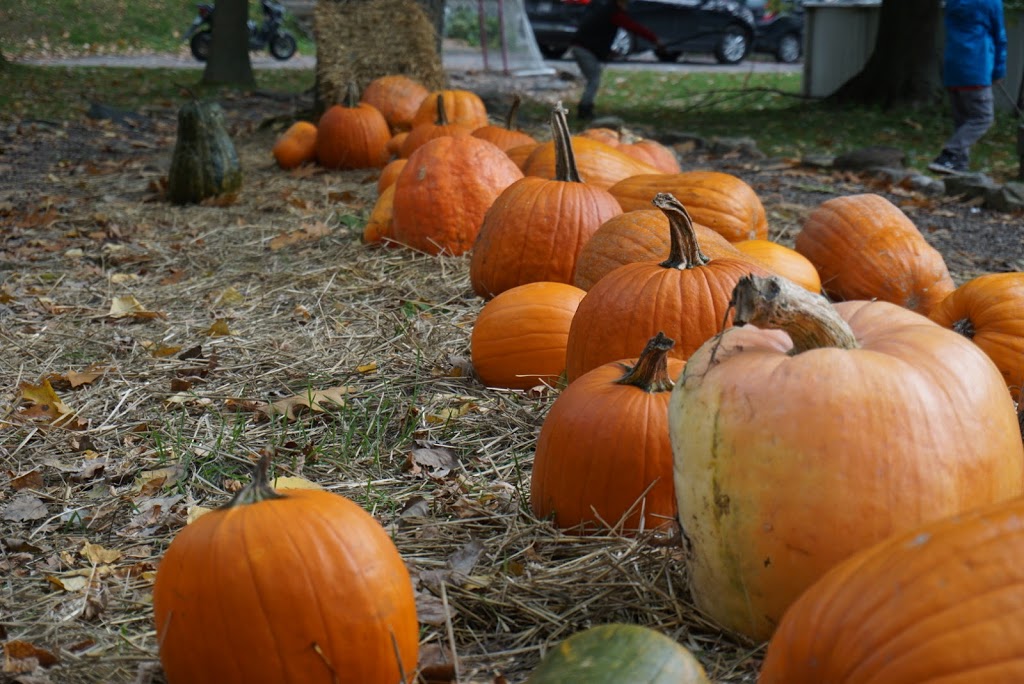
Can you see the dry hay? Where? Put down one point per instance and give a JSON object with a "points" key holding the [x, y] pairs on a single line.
{"points": [[359, 41], [307, 308]]}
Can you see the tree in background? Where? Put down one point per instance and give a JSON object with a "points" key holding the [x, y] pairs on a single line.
{"points": [[229, 62], [904, 68]]}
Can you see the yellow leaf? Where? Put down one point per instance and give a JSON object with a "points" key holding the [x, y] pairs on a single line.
{"points": [[291, 482], [228, 297], [195, 513], [128, 306], [219, 328], [367, 367], [97, 555], [43, 402], [314, 400]]}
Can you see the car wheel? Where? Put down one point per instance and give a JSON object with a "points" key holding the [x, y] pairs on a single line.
{"points": [[667, 56], [622, 44], [550, 52], [789, 49], [733, 45]]}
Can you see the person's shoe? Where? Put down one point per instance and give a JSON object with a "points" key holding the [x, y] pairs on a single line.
{"points": [[585, 112], [948, 163]]}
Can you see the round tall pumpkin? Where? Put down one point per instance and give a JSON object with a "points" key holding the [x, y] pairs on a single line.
{"points": [[536, 228], [397, 97], [463, 107], [423, 133], [204, 162], [603, 456], [686, 296], [938, 603], [721, 201], [989, 311], [443, 192], [519, 337], [864, 247], [820, 432], [599, 163], [300, 586], [353, 135]]}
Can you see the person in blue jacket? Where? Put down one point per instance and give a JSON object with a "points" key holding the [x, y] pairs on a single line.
{"points": [[973, 59], [592, 44]]}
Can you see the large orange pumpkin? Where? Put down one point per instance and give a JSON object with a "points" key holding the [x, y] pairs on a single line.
{"points": [[820, 432], [299, 586], [864, 247], [989, 311], [353, 135], [938, 603], [603, 456], [444, 190], [686, 296], [638, 235], [537, 227], [518, 340], [721, 201]]}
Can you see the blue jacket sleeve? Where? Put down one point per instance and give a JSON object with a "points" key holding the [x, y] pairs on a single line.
{"points": [[998, 29]]}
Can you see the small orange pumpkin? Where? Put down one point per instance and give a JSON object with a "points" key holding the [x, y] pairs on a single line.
{"points": [[518, 341], [463, 107], [296, 146], [353, 135], [440, 127], [507, 136]]}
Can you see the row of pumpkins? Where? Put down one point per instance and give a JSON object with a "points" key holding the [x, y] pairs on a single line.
{"points": [[849, 476]]}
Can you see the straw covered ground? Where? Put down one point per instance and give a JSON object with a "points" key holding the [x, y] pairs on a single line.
{"points": [[151, 352]]}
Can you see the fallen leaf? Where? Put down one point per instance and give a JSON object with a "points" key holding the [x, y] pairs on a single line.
{"points": [[291, 482], [97, 555], [195, 513], [367, 367], [24, 507], [229, 296], [445, 415], [128, 306], [22, 656], [437, 462], [219, 328], [313, 231], [69, 583], [33, 479], [43, 402], [87, 376], [317, 401]]}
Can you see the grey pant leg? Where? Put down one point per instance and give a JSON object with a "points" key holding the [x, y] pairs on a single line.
{"points": [[973, 115], [591, 67]]}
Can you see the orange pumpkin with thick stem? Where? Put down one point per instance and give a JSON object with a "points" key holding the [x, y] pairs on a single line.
{"points": [[444, 191], [599, 164], [686, 296], [353, 135], [638, 235], [296, 146], [784, 261], [397, 97], [463, 107], [989, 311], [818, 430], [721, 201], [507, 136], [864, 247], [938, 603], [440, 127], [294, 586], [536, 228], [603, 455], [518, 340]]}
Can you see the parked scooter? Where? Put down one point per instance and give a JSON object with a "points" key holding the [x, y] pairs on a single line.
{"points": [[269, 34]]}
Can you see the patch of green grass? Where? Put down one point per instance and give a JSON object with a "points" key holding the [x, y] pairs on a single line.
{"points": [[61, 93]]}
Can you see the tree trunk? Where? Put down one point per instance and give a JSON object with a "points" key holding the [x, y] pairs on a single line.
{"points": [[435, 10], [905, 66], [229, 46]]}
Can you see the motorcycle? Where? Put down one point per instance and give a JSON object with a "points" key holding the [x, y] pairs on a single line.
{"points": [[269, 34]]}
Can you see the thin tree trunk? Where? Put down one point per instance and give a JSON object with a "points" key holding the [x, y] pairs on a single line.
{"points": [[905, 66], [229, 62]]}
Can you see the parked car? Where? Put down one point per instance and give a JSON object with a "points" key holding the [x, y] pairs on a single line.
{"points": [[779, 32], [724, 28]]}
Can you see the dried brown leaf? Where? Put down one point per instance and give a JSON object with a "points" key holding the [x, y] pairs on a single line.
{"points": [[317, 401]]}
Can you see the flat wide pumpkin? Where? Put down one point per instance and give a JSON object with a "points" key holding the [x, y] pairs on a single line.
{"points": [[799, 446]]}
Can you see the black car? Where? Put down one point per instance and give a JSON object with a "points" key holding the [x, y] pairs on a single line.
{"points": [[724, 28], [780, 29]]}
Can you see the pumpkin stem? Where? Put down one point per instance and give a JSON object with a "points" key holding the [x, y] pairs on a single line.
{"points": [[965, 326], [651, 370], [442, 114], [685, 251], [258, 489], [352, 95], [513, 109], [565, 160], [779, 304]]}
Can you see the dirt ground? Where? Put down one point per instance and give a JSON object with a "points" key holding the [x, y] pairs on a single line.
{"points": [[166, 332]]}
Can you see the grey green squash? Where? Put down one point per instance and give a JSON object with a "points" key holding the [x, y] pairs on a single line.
{"points": [[205, 163], [620, 654]]}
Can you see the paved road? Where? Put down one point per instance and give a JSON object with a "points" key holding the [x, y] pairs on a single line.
{"points": [[459, 58]]}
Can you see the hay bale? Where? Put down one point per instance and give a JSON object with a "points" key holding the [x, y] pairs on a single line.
{"points": [[360, 40]]}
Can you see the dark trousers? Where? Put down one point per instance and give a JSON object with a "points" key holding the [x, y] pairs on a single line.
{"points": [[973, 114]]}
